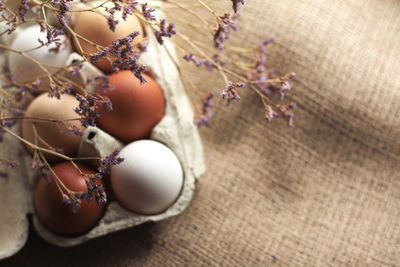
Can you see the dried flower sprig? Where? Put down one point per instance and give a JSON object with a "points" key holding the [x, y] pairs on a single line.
{"points": [[223, 31], [109, 161], [89, 108], [230, 93], [166, 30], [257, 76], [204, 118]]}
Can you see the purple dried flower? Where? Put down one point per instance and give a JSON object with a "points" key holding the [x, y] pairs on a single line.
{"points": [[129, 6], [286, 111], [147, 12], [121, 48], [103, 84], [204, 118], [62, 9], [52, 34], [9, 75], [264, 44], [192, 58], [112, 23], [66, 199], [270, 114], [282, 84], [218, 61], [62, 19], [109, 161], [58, 90], [117, 6], [21, 91], [236, 5], [96, 189], [142, 47], [230, 94], [166, 30], [95, 57], [22, 9], [223, 31], [10, 163], [13, 163], [85, 195], [11, 21], [124, 56], [89, 108], [209, 65], [73, 201], [36, 84], [42, 168], [263, 77], [95, 177], [36, 11], [11, 113], [99, 194], [75, 130], [76, 69]]}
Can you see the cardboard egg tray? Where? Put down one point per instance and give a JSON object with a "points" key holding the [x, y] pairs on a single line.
{"points": [[176, 130]]}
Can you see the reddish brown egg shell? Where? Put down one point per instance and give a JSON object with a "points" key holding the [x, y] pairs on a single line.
{"points": [[57, 215], [137, 107]]}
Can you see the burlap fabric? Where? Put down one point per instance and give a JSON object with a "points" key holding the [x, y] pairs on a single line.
{"points": [[326, 192]]}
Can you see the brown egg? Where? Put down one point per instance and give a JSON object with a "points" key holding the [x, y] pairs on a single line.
{"points": [[94, 27], [137, 108], [54, 134], [57, 215]]}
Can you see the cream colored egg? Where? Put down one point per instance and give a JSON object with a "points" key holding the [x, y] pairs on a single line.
{"points": [[150, 178], [50, 133], [25, 69], [94, 27]]}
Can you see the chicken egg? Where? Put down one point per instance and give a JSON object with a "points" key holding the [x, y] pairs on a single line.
{"points": [[56, 214], [150, 178], [40, 112], [137, 107], [24, 68], [94, 27]]}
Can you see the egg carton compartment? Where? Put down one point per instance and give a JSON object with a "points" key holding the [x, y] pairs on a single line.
{"points": [[176, 130]]}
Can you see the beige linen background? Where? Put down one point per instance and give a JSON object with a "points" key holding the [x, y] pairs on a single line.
{"points": [[326, 192]]}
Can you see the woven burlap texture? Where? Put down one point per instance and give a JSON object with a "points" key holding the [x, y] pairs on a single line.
{"points": [[326, 192]]}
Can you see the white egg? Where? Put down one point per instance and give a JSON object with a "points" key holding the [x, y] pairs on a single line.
{"points": [[150, 178], [25, 69]]}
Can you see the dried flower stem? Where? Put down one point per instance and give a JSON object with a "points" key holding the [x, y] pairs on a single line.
{"points": [[208, 8], [198, 49], [29, 57], [185, 8], [33, 146]]}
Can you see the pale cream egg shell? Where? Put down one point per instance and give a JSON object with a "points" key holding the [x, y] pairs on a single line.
{"points": [[55, 134]]}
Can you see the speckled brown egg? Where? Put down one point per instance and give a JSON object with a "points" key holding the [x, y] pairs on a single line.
{"points": [[94, 27], [56, 214], [49, 133]]}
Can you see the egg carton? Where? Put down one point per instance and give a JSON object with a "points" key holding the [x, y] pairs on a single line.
{"points": [[176, 130]]}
